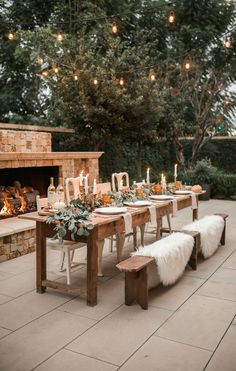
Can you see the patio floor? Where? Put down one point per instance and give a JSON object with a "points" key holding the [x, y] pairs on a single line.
{"points": [[188, 326]]}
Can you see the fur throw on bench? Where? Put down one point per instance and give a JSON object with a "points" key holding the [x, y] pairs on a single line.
{"points": [[210, 228], [171, 254]]}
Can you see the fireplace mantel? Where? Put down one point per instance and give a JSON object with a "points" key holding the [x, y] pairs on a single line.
{"points": [[21, 156]]}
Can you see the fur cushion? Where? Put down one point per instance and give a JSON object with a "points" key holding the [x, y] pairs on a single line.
{"points": [[210, 228], [171, 253]]}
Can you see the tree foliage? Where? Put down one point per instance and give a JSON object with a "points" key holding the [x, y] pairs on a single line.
{"points": [[179, 103]]}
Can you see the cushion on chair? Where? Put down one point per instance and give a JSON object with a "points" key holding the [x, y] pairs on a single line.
{"points": [[172, 254], [210, 228]]}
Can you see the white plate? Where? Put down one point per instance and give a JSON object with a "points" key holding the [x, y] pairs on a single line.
{"points": [[161, 197], [138, 203], [111, 210], [183, 192]]}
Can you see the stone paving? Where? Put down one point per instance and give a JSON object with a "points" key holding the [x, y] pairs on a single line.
{"points": [[188, 326]]}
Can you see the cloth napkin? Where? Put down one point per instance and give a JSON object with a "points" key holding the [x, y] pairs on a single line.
{"points": [[128, 223], [153, 215], [194, 201], [175, 208]]}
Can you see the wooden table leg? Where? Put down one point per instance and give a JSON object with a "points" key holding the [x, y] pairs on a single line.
{"points": [[41, 261], [92, 267], [120, 241], [142, 231]]}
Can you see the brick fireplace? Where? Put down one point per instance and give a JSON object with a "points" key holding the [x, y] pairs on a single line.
{"points": [[26, 155]]}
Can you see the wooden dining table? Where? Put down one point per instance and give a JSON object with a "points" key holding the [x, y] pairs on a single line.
{"points": [[104, 226]]}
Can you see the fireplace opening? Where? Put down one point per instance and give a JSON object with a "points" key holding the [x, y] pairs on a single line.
{"points": [[20, 186]]}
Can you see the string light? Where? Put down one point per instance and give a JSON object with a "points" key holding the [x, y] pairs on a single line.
{"points": [[95, 81], [122, 81], [10, 35], [227, 42], [59, 36], [114, 27], [188, 64], [171, 17], [152, 77], [45, 73], [76, 77], [56, 70]]}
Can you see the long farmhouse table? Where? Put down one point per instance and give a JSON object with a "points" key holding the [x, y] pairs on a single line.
{"points": [[103, 227]]}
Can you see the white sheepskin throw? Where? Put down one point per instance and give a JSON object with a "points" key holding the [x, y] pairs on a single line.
{"points": [[210, 228], [172, 254]]}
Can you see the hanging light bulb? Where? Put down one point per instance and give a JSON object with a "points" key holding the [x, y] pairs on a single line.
{"points": [[122, 81], [152, 77], [114, 27], [59, 36], [56, 70], [188, 64], [10, 35], [95, 81], [76, 77], [227, 42], [45, 73], [171, 17]]}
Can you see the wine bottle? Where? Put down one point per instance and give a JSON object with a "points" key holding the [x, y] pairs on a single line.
{"points": [[51, 193], [60, 194]]}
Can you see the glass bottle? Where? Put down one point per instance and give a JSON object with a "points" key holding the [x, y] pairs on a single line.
{"points": [[60, 194], [51, 193]]}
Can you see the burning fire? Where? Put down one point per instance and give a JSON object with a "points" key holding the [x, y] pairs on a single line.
{"points": [[13, 201]]}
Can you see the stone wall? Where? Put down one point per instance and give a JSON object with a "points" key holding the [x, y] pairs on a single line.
{"points": [[17, 244], [24, 141]]}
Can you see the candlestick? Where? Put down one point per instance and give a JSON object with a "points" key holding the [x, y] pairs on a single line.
{"points": [[121, 184], [163, 184], [86, 184], [148, 175], [95, 186], [175, 170], [81, 178]]}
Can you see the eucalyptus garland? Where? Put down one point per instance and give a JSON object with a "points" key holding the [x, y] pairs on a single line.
{"points": [[74, 218]]}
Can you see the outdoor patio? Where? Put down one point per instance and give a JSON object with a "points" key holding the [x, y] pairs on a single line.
{"points": [[188, 326]]}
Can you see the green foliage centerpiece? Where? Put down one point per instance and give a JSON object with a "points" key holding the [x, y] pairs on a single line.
{"points": [[74, 218]]}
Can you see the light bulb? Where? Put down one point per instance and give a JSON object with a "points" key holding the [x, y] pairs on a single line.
{"points": [[56, 69], [95, 81], [152, 77], [76, 77], [114, 28], [171, 17], [227, 42], [59, 36], [10, 35], [121, 82], [45, 73]]}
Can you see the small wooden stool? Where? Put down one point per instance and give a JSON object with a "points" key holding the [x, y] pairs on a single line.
{"points": [[136, 279]]}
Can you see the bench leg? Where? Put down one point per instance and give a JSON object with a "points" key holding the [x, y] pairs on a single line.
{"points": [[196, 248], [136, 288], [222, 240]]}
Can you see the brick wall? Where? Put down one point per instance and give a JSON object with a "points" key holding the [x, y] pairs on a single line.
{"points": [[17, 244], [24, 141]]}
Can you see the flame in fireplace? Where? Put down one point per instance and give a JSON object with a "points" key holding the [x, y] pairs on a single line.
{"points": [[5, 210], [16, 204]]}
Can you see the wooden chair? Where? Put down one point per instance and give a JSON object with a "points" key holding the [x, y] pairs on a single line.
{"points": [[66, 249], [117, 178], [103, 188], [72, 189]]}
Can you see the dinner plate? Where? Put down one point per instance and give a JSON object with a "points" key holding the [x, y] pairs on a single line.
{"points": [[111, 210], [138, 203], [161, 197], [182, 192]]}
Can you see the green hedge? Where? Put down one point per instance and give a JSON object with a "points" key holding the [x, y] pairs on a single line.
{"points": [[224, 185]]}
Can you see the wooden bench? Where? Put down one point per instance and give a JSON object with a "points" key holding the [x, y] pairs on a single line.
{"points": [[136, 273], [197, 240]]}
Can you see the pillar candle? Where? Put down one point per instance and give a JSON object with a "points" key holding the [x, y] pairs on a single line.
{"points": [[148, 175], [175, 170], [94, 186]]}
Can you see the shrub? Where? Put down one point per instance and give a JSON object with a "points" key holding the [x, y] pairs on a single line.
{"points": [[203, 172], [224, 185]]}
